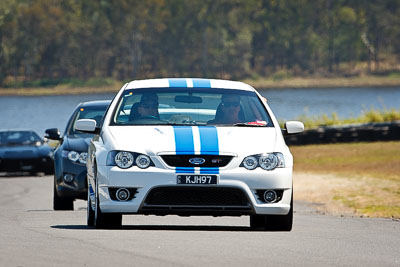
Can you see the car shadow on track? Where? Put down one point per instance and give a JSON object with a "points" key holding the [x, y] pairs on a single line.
{"points": [[208, 228], [21, 174]]}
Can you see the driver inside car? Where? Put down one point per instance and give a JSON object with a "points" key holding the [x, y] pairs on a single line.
{"points": [[228, 111], [147, 108]]}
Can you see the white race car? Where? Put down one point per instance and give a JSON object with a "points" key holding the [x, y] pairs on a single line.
{"points": [[189, 147]]}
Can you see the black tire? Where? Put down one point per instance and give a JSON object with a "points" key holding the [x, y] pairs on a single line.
{"points": [[273, 222], [106, 220], [90, 213], [281, 222], [258, 222], [62, 203], [48, 172]]}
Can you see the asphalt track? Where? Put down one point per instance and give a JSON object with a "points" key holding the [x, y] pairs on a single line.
{"points": [[32, 234]]}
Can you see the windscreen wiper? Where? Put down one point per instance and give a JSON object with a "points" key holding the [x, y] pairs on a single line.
{"points": [[181, 124], [251, 124]]}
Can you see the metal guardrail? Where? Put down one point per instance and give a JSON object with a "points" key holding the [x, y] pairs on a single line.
{"points": [[370, 132]]}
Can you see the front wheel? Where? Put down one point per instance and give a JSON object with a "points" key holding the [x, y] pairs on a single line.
{"points": [[273, 222], [62, 203], [105, 220], [280, 222], [258, 222]]}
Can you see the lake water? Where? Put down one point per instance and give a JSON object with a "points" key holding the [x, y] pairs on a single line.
{"points": [[42, 112], [346, 102]]}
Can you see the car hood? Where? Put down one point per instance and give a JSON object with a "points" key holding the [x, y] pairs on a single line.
{"points": [[152, 140], [79, 142]]}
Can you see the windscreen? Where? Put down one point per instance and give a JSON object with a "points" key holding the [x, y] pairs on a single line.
{"points": [[190, 106], [92, 112], [19, 138]]}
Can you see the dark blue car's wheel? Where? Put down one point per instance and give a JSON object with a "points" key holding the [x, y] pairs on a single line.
{"points": [[62, 203]]}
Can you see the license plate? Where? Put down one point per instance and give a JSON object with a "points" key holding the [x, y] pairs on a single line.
{"points": [[26, 168], [197, 179]]}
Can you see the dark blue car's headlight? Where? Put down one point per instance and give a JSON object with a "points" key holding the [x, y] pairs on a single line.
{"points": [[126, 159], [75, 156]]}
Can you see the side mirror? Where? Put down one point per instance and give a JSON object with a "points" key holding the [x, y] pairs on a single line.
{"points": [[294, 127], [53, 134], [86, 126]]}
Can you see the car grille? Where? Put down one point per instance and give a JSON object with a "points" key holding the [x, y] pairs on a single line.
{"points": [[33, 164], [183, 160], [197, 196], [24, 154]]}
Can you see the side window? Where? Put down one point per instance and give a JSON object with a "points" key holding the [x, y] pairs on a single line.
{"points": [[68, 129], [125, 108]]}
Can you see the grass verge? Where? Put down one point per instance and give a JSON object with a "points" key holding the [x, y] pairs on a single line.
{"points": [[363, 178], [104, 85], [322, 82], [63, 87], [367, 116]]}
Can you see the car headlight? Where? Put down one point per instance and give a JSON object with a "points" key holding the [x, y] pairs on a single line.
{"points": [[143, 161], [250, 163], [267, 162], [281, 160], [75, 156], [83, 157], [124, 159]]}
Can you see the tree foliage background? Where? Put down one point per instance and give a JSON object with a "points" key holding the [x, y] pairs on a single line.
{"points": [[129, 39]]}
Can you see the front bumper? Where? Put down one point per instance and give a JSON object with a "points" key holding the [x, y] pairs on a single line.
{"points": [[78, 187], [39, 164], [144, 181]]}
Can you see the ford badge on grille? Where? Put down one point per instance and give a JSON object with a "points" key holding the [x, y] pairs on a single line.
{"points": [[197, 161]]}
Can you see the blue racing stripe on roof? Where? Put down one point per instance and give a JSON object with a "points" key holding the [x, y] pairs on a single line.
{"points": [[177, 83], [209, 145], [202, 83]]}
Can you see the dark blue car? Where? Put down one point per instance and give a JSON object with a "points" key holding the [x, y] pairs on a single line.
{"points": [[24, 151], [70, 156]]}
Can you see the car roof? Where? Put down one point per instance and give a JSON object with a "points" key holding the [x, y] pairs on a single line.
{"points": [[188, 83], [96, 103]]}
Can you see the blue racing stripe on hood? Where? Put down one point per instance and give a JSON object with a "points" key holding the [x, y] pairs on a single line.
{"points": [[184, 140], [209, 146], [209, 170], [184, 170], [208, 140], [184, 145]]}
